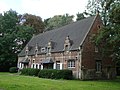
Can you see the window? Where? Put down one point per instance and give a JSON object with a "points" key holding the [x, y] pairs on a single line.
{"points": [[48, 50], [66, 48], [58, 65], [36, 66], [43, 49], [71, 64], [36, 52], [33, 61], [33, 66], [98, 26], [98, 65], [96, 49]]}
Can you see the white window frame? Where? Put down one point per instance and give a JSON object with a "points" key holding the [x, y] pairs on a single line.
{"points": [[71, 64]]}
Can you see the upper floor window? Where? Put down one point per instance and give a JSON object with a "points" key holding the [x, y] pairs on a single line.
{"points": [[96, 49], [71, 64]]}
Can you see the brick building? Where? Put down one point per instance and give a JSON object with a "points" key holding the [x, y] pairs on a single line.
{"points": [[69, 47]]}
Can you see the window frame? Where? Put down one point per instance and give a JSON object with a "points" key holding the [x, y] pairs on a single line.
{"points": [[98, 64], [71, 64]]}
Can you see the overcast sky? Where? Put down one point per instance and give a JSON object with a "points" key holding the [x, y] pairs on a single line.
{"points": [[44, 8]]}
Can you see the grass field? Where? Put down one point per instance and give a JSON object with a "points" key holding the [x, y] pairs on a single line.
{"points": [[17, 82]]}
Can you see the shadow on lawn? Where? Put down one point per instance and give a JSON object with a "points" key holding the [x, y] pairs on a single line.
{"points": [[117, 80]]}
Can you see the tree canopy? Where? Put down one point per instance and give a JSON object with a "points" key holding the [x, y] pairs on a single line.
{"points": [[80, 16], [33, 21], [58, 21], [13, 37], [108, 38]]}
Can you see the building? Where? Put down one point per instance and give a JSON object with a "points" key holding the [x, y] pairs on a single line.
{"points": [[69, 47]]}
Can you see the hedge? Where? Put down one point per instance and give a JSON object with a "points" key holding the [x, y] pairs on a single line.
{"points": [[55, 74], [13, 70], [30, 71]]}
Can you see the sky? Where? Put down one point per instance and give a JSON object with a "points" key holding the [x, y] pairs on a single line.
{"points": [[44, 8]]}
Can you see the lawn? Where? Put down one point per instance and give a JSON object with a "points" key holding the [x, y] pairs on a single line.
{"points": [[10, 81]]}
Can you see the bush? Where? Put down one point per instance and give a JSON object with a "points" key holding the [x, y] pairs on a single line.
{"points": [[55, 74], [13, 70], [30, 71]]}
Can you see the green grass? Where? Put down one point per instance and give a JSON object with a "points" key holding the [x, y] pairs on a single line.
{"points": [[17, 82]]}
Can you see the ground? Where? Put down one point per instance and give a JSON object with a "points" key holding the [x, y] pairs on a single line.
{"points": [[10, 81]]}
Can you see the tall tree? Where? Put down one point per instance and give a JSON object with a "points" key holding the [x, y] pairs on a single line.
{"points": [[13, 38], [33, 21], [101, 6], [58, 21], [80, 16], [109, 37]]}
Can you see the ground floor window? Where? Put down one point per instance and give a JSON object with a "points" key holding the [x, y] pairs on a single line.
{"points": [[48, 66], [58, 65], [98, 65], [71, 63], [35, 65]]}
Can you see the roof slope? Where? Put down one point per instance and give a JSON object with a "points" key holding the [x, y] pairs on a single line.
{"points": [[76, 31]]}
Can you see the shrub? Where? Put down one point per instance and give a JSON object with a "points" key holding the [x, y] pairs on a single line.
{"points": [[55, 74], [30, 71], [13, 70]]}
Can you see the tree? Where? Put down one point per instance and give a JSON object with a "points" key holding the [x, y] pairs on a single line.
{"points": [[13, 38], [101, 6], [80, 16], [109, 37], [58, 21], [33, 21]]}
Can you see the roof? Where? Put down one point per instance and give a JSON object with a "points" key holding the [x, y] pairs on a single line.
{"points": [[25, 60], [48, 60], [76, 31]]}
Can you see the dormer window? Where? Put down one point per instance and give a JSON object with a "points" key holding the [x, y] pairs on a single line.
{"points": [[49, 50], [36, 50], [49, 47], [43, 49], [26, 50], [67, 44], [96, 49], [66, 48]]}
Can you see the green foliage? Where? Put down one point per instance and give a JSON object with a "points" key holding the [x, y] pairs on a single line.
{"points": [[30, 71], [108, 42], [80, 16], [55, 74], [58, 21], [103, 7], [34, 22], [108, 38], [13, 37], [13, 70]]}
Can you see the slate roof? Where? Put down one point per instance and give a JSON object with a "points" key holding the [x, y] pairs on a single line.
{"points": [[76, 31]]}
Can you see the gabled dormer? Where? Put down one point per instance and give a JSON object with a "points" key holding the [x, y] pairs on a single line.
{"points": [[67, 44], [26, 50], [36, 49], [49, 47]]}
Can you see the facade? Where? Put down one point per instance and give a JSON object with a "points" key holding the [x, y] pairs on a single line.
{"points": [[69, 47]]}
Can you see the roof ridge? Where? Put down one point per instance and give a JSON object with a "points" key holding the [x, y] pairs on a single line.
{"points": [[52, 30]]}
